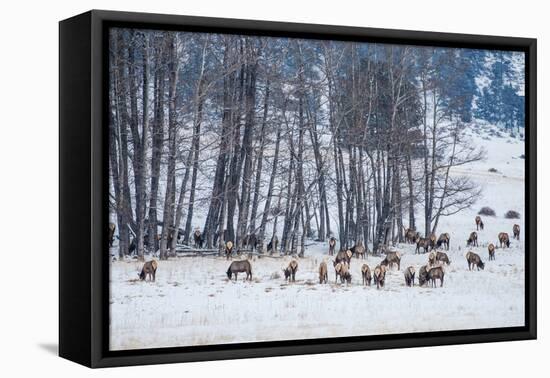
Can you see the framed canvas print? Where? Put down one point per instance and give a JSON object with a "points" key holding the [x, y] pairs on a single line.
{"points": [[234, 188]]}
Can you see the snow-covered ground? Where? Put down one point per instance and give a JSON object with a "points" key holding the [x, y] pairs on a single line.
{"points": [[193, 303]]}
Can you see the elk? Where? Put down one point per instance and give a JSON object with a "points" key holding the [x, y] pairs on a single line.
{"points": [[358, 249], [479, 223], [337, 270], [431, 259], [472, 240], [112, 228], [409, 276], [287, 273], [436, 273], [344, 256], [504, 240], [342, 270], [491, 249], [392, 258], [423, 243], [474, 261], [515, 230], [379, 276], [198, 238], [323, 273], [238, 267], [445, 240], [432, 241], [228, 249], [290, 271], [442, 257], [148, 269], [423, 275], [365, 272], [345, 275], [331, 246], [410, 236]]}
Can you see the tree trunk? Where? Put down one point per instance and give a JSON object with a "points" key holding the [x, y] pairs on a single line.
{"points": [[218, 192], [199, 100], [259, 166], [236, 164], [157, 145], [170, 195], [267, 206], [246, 148]]}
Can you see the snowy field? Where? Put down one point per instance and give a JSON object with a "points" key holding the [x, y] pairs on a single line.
{"points": [[193, 303]]}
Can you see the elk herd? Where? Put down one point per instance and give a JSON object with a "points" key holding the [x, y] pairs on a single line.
{"points": [[427, 275]]}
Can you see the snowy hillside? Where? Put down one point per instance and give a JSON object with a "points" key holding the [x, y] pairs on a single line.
{"points": [[193, 303]]}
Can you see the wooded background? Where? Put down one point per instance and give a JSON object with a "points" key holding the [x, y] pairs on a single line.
{"points": [[304, 139]]}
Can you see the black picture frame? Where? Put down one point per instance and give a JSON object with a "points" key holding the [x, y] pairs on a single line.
{"points": [[83, 267]]}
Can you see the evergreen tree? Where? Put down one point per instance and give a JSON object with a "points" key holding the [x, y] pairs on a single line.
{"points": [[501, 101]]}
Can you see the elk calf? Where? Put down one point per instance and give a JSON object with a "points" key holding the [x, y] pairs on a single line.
{"points": [[323, 273], [436, 273], [379, 276], [344, 256], [445, 240], [516, 231], [358, 250], [491, 249], [345, 275], [409, 276], [392, 258], [331, 246], [342, 270], [474, 261], [410, 236], [504, 240], [228, 249], [431, 259], [238, 267], [287, 273], [472, 240], [365, 272], [423, 275], [442, 257], [149, 269], [423, 243], [337, 270], [479, 223], [290, 271], [432, 241], [198, 238]]}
